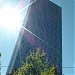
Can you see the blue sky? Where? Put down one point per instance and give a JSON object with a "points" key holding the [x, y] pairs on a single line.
{"points": [[8, 38]]}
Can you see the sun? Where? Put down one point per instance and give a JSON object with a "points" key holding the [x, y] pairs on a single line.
{"points": [[10, 18]]}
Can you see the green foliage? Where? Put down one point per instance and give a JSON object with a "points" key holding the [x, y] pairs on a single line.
{"points": [[36, 64], [50, 71]]}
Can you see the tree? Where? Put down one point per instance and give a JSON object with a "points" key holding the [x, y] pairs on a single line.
{"points": [[36, 64]]}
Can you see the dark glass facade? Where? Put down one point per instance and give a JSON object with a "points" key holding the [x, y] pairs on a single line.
{"points": [[42, 28]]}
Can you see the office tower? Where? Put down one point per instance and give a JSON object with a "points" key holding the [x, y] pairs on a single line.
{"points": [[42, 28]]}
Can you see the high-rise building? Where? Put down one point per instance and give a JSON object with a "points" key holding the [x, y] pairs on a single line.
{"points": [[42, 28]]}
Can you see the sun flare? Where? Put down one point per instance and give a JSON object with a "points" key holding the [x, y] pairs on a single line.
{"points": [[10, 18]]}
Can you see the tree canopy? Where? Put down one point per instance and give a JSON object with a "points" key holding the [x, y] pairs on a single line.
{"points": [[36, 64]]}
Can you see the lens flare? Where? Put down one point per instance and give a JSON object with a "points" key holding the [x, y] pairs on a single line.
{"points": [[10, 18]]}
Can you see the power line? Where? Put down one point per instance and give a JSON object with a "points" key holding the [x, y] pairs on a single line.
{"points": [[57, 67]]}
